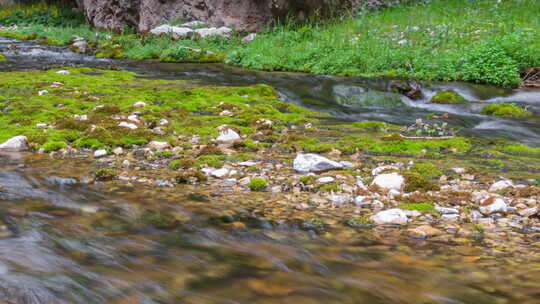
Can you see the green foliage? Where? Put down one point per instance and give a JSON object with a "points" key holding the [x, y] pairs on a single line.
{"points": [[448, 97], [506, 110], [2, 57], [537, 181], [258, 184], [416, 182], [53, 146], [374, 126], [427, 170], [40, 14]]}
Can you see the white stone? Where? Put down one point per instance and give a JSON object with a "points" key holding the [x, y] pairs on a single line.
{"points": [[220, 173], [347, 164], [42, 92], [128, 125], [17, 143], [249, 37], [63, 72], [390, 216], [230, 181], [326, 180], [139, 104], [247, 164], [450, 217], [412, 213], [359, 200], [459, 170], [134, 118], [159, 145], [100, 153], [176, 32], [79, 46], [228, 135], [360, 184], [339, 200], [393, 193], [498, 206], [444, 210], [304, 163], [212, 31], [42, 125], [163, 122], [389, 181], [118, 151], [501, 185]]}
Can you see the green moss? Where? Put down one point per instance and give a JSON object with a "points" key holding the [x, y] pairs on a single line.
{"points": [[416, 182], [214, 161], [308, 180], [427, 170], [258, 184], [191, 176], [184, 163], [373, 126], [506, 110], [2, 57], [448, 97], [421, 207], [53, 146], [360, 222], [329, 188], [105, 174]]}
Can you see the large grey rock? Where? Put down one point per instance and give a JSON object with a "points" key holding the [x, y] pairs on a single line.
{"points": [[14, 144], [304, 163]]}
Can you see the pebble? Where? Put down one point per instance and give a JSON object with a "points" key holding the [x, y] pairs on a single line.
{"points": [[326, 180], [100, 153], [227, 136], [305, 163], [424, 231], [139, 104], [498, 206], [220, 173], [118, 151], [528, 212], [339, 200], [42, 92], [63, 72], [390, 216], [128, 125], [444, 210], [501, 185], [389, 181], [159, 145]]}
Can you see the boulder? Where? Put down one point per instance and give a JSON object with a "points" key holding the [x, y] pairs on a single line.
{"points": [[305, 163], [14, 144], [394, 216]]}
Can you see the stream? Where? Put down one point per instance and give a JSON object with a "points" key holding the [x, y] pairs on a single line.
{"points": [[67, 241]]}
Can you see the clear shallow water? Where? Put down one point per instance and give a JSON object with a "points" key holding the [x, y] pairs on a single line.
{"points": [[78, 243], [351, 98]]}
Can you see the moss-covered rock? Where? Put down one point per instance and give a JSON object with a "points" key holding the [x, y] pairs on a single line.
{"points": [[506, 110], [258, 184], [448, 97]]}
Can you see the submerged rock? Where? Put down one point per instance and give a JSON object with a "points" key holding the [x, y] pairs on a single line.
{"points": [[390, 216], [304, 163], [17, 143]]}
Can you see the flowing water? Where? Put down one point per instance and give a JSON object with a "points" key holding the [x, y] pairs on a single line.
{"points": [[65, 241]]}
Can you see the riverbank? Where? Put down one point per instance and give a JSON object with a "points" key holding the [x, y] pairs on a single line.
{"points": [[483, 42]]}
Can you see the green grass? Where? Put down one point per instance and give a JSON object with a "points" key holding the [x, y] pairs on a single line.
{"points": [[478, 41]]}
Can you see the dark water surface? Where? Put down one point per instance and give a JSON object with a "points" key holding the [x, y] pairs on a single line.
{"points": [[76, 243]]}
